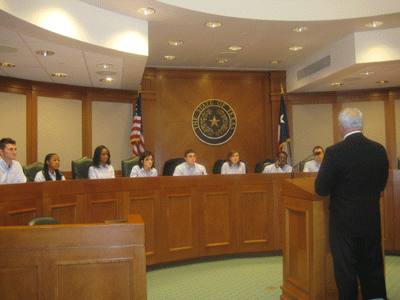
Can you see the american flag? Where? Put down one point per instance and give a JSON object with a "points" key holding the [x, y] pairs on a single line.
{"points": [[137, 139], [283, 128]]}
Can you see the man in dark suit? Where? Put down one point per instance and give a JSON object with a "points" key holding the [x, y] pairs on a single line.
{"points": [[353, 173]]}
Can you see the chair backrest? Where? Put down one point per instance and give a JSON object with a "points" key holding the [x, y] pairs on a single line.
{"points": [[128, 164], [80, 167], [398, 164], [303, 163], [42, 221], [262, 164], [169, 166], [31, 170], [218, 166]]}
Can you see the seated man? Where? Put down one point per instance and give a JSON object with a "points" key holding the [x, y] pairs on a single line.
{"points": [[280, 166], [10, 170], [313, 165], [190, 167]]}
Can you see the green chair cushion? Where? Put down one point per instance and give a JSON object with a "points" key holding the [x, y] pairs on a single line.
{"points": [[128, 164], [31, 170], [80, 167]]}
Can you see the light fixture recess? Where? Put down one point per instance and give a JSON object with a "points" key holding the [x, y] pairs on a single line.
{"points": [[7, 49], [299, 28], [7, 65], [59, 75], [44, 52], [373, 24], [146, 11], [337, 84], [382, 81], [275, 61], [106, 73], [295, 48], [213, 24], [367, 73], [169, 57], [235, 48], [175, 43], [105, 66], [222, 61], [108, 79]]}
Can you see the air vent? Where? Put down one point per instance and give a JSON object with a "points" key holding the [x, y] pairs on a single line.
{"points": [[315, 67]]}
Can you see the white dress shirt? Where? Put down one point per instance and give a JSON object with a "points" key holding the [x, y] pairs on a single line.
{"points": [[184, 169]]}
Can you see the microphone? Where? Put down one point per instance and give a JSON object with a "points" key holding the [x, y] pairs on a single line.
{"points": [[296, 165]]}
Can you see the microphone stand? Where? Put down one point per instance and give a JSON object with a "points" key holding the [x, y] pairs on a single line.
{"points": [[296, 165]]}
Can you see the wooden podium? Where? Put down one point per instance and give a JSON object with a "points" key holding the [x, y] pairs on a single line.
{"points": [[307, 262]]}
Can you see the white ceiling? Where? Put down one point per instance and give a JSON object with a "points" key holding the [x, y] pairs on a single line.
{"points": [[262, 41]]}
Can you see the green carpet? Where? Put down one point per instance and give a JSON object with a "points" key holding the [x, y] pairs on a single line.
{"points": [[245, 278]]}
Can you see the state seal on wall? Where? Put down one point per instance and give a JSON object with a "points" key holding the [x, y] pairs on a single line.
{"points": [[214, 122]]}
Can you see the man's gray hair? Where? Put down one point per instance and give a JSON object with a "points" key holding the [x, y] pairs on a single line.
{"points": [[351, 118]]}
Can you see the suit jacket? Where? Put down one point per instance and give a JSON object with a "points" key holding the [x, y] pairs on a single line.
{"points": [[354, 172]]}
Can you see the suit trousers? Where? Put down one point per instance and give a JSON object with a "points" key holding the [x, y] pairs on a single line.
{"points": [[358, 256]]}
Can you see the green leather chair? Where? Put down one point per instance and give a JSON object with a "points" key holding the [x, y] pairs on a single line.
{"points": [[31, 170], [128, 164], [80, 167], [303, 163], [42, 221], [262, 164]]}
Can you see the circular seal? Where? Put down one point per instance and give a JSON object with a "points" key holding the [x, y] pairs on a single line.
{"points": [[214, 122]]}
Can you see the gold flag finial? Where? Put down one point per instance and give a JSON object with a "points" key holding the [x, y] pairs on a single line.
{"points": [[140, 89], [281, 88]]}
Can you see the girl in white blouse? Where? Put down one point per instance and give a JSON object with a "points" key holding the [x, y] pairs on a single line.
{"points": [[50, 170], [233, 165], [101, 167]]}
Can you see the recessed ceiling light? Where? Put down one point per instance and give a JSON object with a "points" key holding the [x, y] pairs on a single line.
{"points": [[299, 28], [59, 75], [169, 57], [374, 24], [235, 48], [108, 79], [382, 81], [295, 48], [7, 65], [213, 24], [366, 73], [105, 66], [274, 61], [222, 61], [146, 11], [7, 49], [175, 43], [337, 84], [44, 52], [105, 73]]}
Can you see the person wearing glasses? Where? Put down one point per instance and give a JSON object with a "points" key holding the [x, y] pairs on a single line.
{"points": [[313, 165]]}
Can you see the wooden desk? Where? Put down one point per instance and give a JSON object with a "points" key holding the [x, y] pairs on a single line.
{"points": [[186, 217], [85, 261]]}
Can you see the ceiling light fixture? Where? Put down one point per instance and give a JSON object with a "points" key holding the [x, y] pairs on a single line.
{"points": [[235, 48], [175, 43], [222, 61], [59, 75], [169, 57], [275, 61], [44, 52], [213, 24], [108, 79], [7, 49], [146, 11], [299, 28], [373, 24], [295, 48], [105, 66], [7, 65], [366, 73], [337, 84], [382, 81]]}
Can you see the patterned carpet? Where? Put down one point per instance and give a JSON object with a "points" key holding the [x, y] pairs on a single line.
{"points": [[248, 278]]}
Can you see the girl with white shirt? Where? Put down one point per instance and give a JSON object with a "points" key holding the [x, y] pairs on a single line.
{"points": [[101, 167], [144, 168], [233, 165], [50, 170]]}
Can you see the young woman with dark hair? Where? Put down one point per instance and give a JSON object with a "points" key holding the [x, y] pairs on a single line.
{"points": [[101, 167], [233, 165], [50, 171], [145, 166]]}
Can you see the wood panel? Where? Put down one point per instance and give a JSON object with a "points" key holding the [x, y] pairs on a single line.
{"points": [[100, 261], [100, 207]]}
